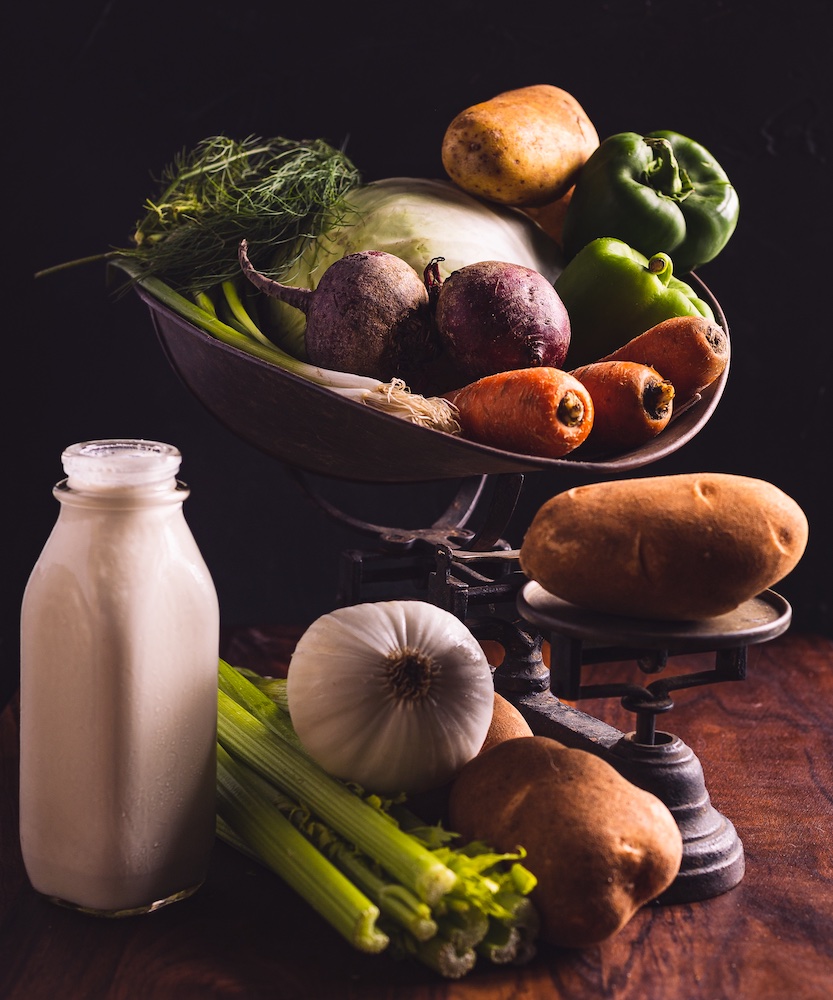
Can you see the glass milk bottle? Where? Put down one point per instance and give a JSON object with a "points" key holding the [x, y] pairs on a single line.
{"points": [[119, 654]]}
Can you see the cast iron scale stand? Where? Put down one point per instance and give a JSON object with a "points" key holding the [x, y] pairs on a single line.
{"points": [[474, 574]]}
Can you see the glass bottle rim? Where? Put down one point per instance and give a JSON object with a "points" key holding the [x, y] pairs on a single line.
{"points": [[120, 462]]}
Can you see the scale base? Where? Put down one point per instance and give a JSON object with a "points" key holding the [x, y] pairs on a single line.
{"points": [[713, 859]]}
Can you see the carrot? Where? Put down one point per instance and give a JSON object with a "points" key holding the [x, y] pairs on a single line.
{"points": [[538, 411], [632, 403], [690, 351]]}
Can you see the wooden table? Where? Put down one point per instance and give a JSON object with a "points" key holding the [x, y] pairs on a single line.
{"points": [[766, 745]]}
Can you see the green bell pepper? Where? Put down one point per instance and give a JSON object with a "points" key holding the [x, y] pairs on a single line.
{"points": [[612, 293], [660, 193]]}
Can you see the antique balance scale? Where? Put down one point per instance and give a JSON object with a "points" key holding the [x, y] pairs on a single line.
{"points": [[463, 564]]}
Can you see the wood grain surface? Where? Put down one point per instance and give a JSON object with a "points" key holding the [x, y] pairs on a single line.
{"points": [[766, 745]]}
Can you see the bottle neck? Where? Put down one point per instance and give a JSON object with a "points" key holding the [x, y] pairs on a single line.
{"points": [[120, 472], [122, 498]]}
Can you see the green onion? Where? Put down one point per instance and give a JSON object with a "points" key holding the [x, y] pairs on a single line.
{"points": [[277, 194], [208, 321], [294, 858], [390, 397]]}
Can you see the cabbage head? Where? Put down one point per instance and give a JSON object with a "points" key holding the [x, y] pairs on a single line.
{"points": [[418, 220]]}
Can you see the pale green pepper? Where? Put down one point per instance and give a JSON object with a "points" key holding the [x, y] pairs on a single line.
{"points": [[613, 293]]}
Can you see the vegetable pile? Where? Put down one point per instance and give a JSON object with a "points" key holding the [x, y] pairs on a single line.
{"points": [[369, 867], [531, 302], [544, 248], [389, 708]]}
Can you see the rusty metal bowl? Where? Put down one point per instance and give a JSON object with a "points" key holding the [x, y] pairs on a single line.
{"points": [[316, 431]]}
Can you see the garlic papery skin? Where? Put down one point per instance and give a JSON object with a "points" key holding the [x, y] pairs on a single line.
{"points": [[395, 696]]}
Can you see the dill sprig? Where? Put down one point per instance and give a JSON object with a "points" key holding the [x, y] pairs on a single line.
{"points": [[274, 192]]}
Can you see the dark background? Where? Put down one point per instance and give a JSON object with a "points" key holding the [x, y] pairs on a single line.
{"points": [[101, 96]]}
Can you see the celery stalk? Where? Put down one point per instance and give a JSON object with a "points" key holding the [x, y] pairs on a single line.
{"points": [[275, 687], [395, 902], [255, 700], [485, 913], [249, 739], [500, 944], [464, 927], [440, 955], [289, 854]]}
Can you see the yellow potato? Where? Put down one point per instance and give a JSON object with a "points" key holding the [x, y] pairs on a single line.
{"points": [[522, 147], [684, 547]]}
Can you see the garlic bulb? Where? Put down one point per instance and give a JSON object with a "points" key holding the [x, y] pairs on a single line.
{"points": [[396, 695]]}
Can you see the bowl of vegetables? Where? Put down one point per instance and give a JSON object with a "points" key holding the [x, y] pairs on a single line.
{"points": [[313, 428], [244, 354]]}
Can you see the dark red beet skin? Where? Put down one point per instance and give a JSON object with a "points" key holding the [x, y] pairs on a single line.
{"points": [[494, 317], [369, 315]]}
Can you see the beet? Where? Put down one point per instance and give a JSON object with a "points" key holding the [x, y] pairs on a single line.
{"points": [[369, 315], [494, 317]]}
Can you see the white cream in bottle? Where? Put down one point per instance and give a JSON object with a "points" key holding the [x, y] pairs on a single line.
{"points": [[118, 690]]}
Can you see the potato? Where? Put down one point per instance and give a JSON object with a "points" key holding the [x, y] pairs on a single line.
{"points": [[550, 217], [522, 147], [507, 723], [599, 846], [683, 547]]}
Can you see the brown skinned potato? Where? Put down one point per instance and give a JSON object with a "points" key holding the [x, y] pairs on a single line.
{"points": [[684, 547], [507, 723], [599, 846], [522, 147]]}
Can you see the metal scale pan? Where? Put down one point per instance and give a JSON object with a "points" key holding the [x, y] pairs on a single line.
{"points": [[312, 429]]}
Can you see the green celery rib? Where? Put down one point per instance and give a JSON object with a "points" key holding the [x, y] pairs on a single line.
{"points": [[500, 945], [464, 927], [252, 697], [440, 955], [395, 902], [247, 737], [275, 687], [290, 855]]}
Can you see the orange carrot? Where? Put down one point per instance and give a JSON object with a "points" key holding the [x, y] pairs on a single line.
{"points": [[632, 403], [534, 411], [690, 351]]}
